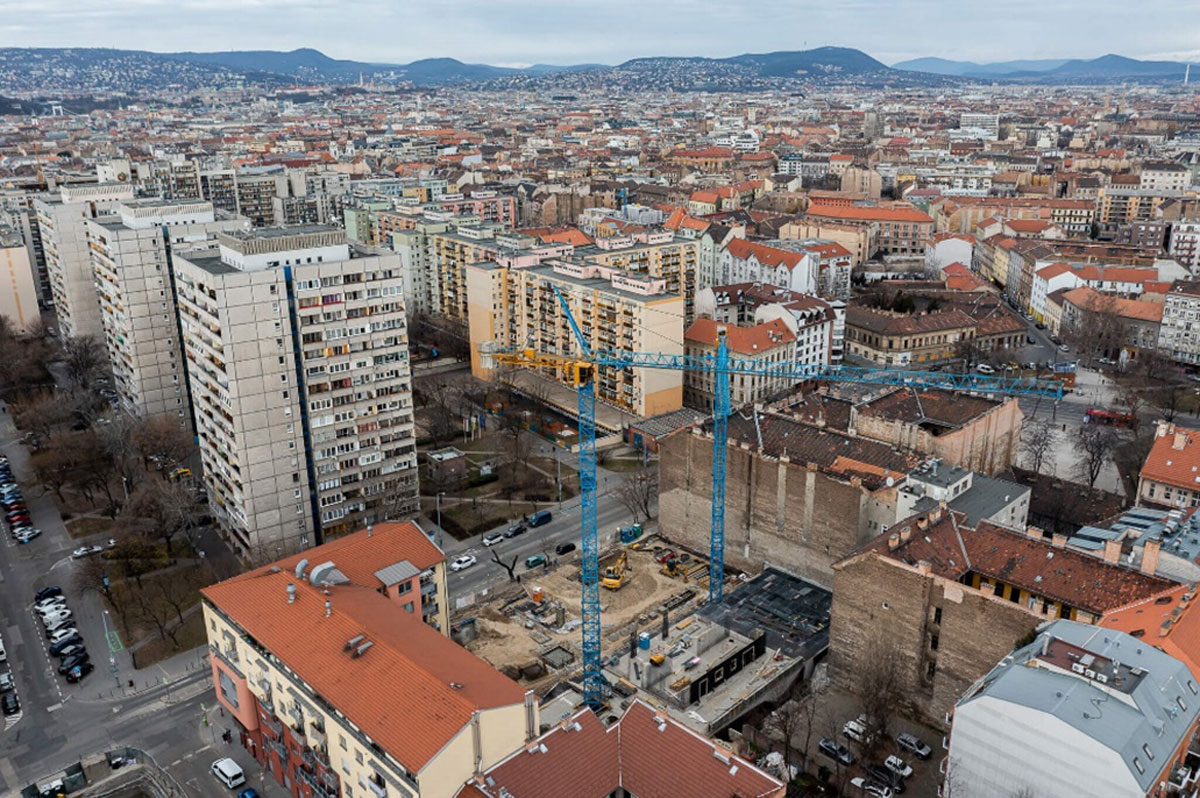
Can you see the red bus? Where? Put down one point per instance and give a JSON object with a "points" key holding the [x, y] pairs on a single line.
{"points": [[1096, 415]]}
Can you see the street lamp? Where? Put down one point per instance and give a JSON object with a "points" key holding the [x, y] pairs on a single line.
{"points": [[438, 501]]}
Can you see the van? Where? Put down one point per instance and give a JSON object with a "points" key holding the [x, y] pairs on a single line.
{"points": [[228, 773], [855, 730], [539, 518]]}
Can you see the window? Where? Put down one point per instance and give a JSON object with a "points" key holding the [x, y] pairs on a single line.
{"points": [[930, 670], [933, 643], [1137, 763], [1147, 751]]}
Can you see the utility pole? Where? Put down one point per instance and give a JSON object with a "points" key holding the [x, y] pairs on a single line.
{"points": [[439, 519]]}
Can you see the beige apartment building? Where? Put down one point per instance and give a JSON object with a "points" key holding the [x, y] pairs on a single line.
{"points": [[297, 359], [63, 224], [616, 309], [131, 258], [18, 293], [336, 688]]}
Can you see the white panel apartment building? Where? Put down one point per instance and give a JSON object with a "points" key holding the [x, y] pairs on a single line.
{"points": [[63, 224], [1179, 333], [297, 350], [1184, 245], [131, 259]]}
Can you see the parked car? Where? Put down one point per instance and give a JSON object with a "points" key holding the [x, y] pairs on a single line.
{"points": [[79, 671], [71, 650], [58, 635], [835, 750], [7, 685], [866, 787], [856, 730], [463, 562], [70, 662], [65, 643], [535, 560], [86, 551], [1064, 348], [539, 518], [514, 529], [898, 766], [50, 606], [564, 548], [984, 368], [58, 621], [914, 744], [10, 704], [47, 592], [881, 775], [492, 538], [27, 535], [1040, 326]]}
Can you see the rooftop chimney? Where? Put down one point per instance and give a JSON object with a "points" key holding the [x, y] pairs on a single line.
{"points": [[370, 529], [1150, 556], [1112, 551], [1058, 541], [291, 591], [893, 542]]}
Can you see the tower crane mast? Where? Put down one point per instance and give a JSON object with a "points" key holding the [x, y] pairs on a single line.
{"points": [[579, 371]]}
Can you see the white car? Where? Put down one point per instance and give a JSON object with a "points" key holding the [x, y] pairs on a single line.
{"points": [[55, 619], [46, 603], [63, 634], [86, 551], [898, 766], [465, 561], [870, 788], [984, 368], [26, 535], [492, 538], [52, 609]]}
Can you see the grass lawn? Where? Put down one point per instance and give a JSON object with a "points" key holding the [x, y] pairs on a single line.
{"points": [[86, 527], [623, 465], [190, 635]]}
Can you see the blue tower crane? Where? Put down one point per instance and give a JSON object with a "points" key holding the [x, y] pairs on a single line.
{"points": [[580, 371]]}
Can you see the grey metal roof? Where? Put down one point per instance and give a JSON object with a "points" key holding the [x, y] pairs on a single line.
{"points": [[665, 423], [986, 497], [397, 573], [1150, 699]]}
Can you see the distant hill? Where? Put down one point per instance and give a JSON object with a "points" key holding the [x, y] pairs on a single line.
{"points": [[1106, 68], [942, 66], [802, 62], [298, 63]]}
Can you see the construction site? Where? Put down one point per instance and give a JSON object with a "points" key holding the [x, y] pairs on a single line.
{"points": [[662, 641]]}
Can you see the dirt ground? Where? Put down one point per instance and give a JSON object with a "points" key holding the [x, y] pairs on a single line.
{"points": [[504, 641]]}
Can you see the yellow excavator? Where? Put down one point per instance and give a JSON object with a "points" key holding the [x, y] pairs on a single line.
{"points": [[614, 574]]}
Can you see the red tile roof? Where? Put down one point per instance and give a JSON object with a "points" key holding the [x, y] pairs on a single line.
{"points": [[1174, 458], [1168, 622], [954, 550], [645, 752], [743, 340], [419, 711], [871, 213], [741, 249], [360, 554]]}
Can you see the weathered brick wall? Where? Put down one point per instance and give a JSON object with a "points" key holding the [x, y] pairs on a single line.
{"points": [[775, 511], [876, 601], [988, 444]]}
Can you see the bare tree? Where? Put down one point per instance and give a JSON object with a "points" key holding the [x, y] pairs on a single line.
{"points": [[1094, 443], [1038, 439], [795, 716], [1096, 327], [163, 509], [161, 438], [511, 567], [638, 492], [149, 609], [85, 360], [881, 690]]}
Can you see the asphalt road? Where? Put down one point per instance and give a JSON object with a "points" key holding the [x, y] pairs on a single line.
{"points": [[59, 723], [564, 527]]}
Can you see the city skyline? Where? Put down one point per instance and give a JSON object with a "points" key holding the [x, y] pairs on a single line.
{"points": [[535, 31]]}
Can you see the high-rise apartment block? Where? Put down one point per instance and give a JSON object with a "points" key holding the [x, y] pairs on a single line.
{"points": [[63, 224], [297, 350], [518, 307], [131, 254]]}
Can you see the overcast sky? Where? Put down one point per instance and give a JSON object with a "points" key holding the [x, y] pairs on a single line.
{"points": [[518, 32]]}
